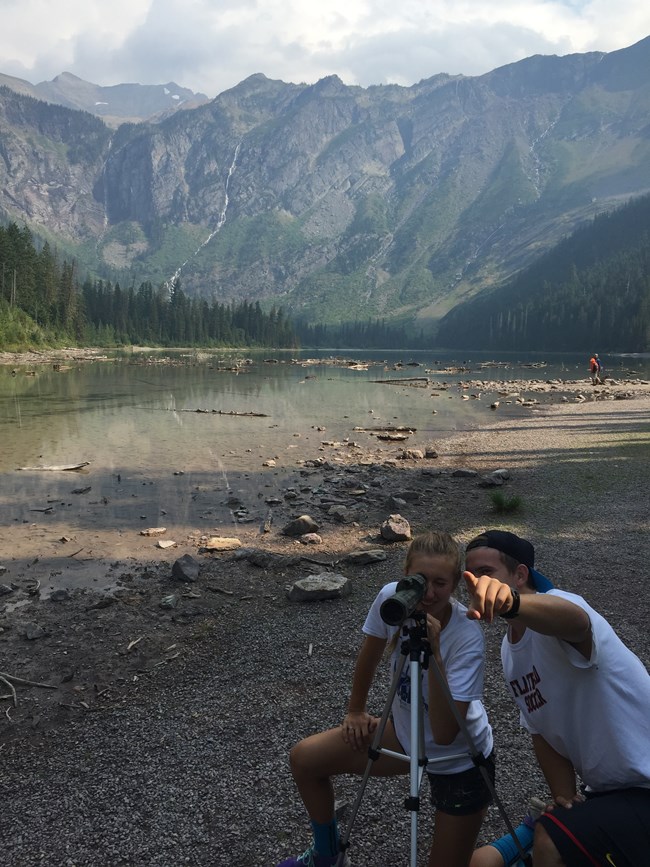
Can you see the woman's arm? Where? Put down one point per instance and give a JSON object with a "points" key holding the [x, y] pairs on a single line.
{"points": [[358, 725], [441, 717]]}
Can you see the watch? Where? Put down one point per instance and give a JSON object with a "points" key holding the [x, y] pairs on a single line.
{"points": [[513, 611]]}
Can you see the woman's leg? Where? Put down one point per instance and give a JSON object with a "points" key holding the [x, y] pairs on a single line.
{"points": [[316, 759], [454, 839], [486, 856]]}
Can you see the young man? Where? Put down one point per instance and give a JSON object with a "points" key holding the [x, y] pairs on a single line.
{"points": [[585, 699], [595, 368]]}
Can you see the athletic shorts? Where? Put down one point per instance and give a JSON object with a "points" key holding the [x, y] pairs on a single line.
{"points": [[463, 793], [612, 828]]}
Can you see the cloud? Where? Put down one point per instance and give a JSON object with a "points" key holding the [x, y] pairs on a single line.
{"points": [[212, 46]]}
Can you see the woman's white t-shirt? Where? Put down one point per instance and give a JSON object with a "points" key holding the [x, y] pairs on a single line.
{"points": [[462, 650]]}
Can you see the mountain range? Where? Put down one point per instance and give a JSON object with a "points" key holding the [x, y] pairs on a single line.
{"points": [[338, 202]]}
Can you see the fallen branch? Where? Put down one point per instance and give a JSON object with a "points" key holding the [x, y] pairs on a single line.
{"points": [[319, 562], [401, 428], [13, 691], [22, 682], [401, 380]]}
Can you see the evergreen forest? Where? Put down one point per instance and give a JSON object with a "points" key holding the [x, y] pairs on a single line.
{"points": [[42, 304], [591, 290]]}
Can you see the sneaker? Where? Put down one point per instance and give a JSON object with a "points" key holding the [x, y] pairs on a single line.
{"points": [[535, 809], [311, 858]]}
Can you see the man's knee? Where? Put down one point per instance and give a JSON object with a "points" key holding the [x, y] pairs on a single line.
{"points": [[545, 853]]}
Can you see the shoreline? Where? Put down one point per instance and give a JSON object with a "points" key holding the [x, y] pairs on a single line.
{"points": [[207, 699]]}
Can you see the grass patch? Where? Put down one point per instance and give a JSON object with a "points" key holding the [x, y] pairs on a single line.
{"points": [[504, 505]]}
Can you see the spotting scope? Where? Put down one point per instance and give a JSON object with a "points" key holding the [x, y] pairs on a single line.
{"points": [[402, 603]]}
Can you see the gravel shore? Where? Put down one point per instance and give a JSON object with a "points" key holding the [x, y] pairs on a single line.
{"points": [[174, 750]]}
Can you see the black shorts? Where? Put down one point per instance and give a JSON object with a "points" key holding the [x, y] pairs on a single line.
{"points": [[463, 793], [608, 828]]}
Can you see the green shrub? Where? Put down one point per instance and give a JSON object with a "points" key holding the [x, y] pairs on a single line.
{"points": [[503, 504]]}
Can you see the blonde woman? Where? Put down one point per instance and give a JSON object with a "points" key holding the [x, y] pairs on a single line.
{"points": [[459, 792]]}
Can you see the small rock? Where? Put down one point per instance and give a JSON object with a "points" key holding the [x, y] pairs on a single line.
{"points": [[412, 455], [153, 531], [186, 568], [311, 539], [222, 543], [300, 526], [168, 602], [32, 632], [364, 558], [60, 595]]}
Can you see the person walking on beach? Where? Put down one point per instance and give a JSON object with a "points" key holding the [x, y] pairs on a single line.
{"points": [[595, 368], [459, 792], [585, 699]]}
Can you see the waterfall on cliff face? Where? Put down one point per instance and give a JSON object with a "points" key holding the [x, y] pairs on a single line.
{"points": [[220, 221]]}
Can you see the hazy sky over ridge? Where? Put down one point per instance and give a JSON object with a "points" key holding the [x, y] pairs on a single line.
{"points": [[211, 45]]}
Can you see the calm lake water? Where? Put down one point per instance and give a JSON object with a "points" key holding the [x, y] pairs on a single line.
{"points": [[150, 452]]}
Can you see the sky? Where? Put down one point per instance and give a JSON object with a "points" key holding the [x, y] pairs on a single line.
{"points": [[211, 45]]}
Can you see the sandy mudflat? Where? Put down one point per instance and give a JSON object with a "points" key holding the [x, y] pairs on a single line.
{"points": [[168, 731]]}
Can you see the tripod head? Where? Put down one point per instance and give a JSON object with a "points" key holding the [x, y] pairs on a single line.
{"points": [[416, 642]]}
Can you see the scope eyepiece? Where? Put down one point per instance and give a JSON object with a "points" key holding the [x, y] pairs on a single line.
{"points": [[402, 603]]}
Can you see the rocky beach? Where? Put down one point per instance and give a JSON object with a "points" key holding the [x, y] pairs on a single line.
{"points": [[151, 724]]}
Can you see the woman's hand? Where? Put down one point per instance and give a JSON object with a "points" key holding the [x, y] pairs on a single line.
{"points": [[434, 628], [358, 728]]}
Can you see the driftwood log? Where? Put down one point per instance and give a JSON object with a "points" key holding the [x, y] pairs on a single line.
{"points": [[59, 467], [228, 412]]}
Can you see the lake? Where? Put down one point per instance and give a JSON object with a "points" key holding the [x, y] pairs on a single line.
{"points": [[153, 457]]}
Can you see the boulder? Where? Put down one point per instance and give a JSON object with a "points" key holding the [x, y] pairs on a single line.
{"points": [[396, 529], [315, 588]]}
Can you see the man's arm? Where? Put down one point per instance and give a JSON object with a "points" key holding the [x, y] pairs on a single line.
{"points": [[557, 770], [548, 615]]}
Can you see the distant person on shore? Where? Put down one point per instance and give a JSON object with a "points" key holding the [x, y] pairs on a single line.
{"points": [[585, 699], [595, 368], [458, 790]]}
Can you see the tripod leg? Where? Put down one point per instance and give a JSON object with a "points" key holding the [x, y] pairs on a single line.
{"points": [[417, 751], [477, 758], [373, 755]]}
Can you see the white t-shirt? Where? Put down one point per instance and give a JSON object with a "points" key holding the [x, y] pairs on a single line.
{"points": [[594, 712], [462, 651]]}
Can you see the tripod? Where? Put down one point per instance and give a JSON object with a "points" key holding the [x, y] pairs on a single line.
{"points": [[416, 647]]}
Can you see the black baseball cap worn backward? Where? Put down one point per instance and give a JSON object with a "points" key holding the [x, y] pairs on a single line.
{"points": [[508, 543], [521, 551]]}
